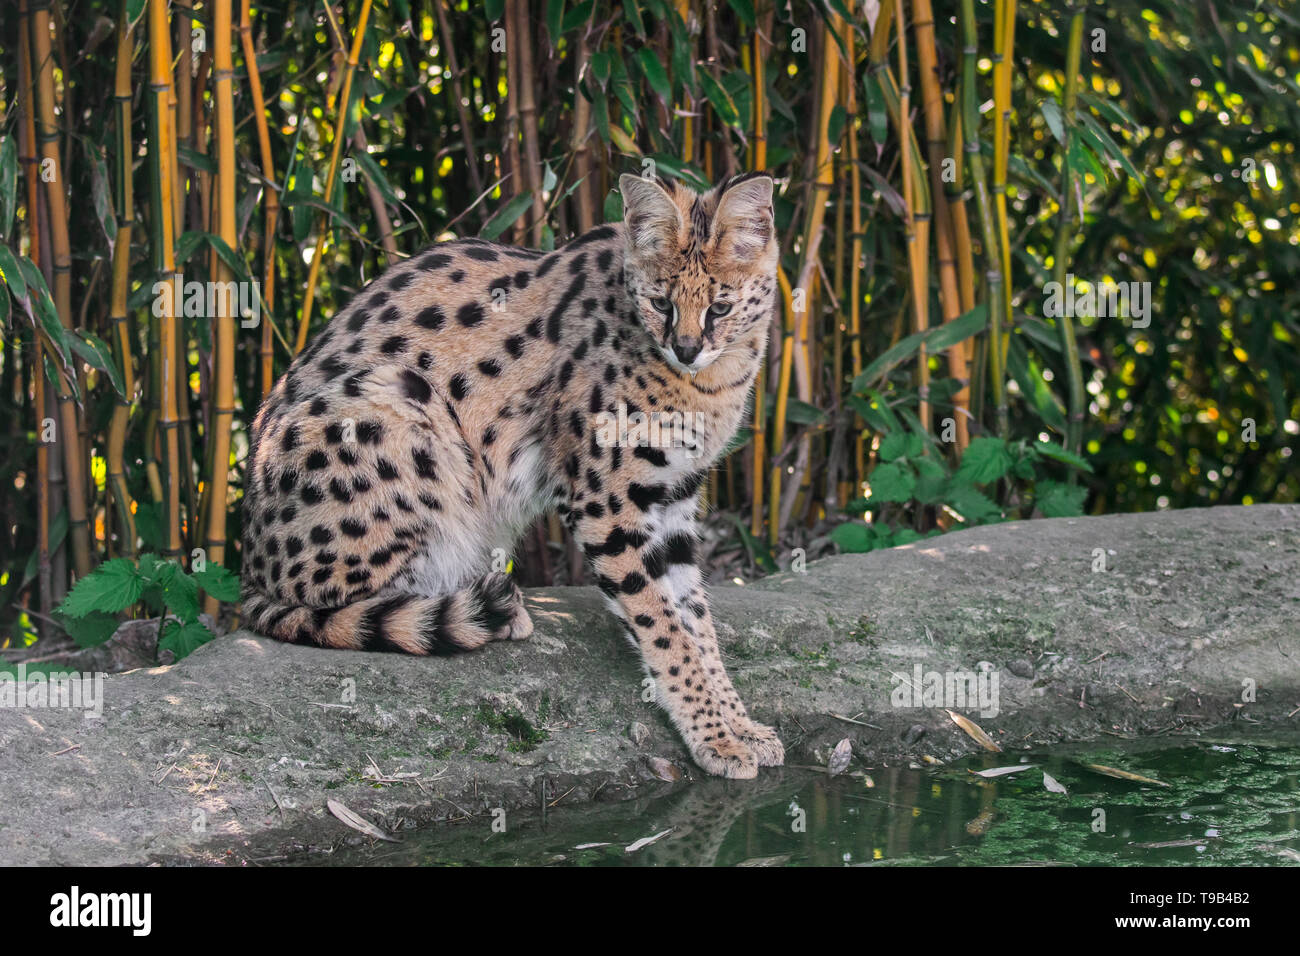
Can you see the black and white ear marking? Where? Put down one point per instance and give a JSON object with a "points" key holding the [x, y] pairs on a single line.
{"points": [[652, 218], [743, 223]]}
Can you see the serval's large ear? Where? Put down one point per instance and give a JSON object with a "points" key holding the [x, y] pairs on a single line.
{"points": [[653, 220], [743, 225]]}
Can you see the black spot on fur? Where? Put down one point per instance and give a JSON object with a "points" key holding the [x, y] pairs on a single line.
{"points": [[430, 318]]}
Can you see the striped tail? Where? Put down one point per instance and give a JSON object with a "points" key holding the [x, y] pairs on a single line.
{"points": [[489, 609]]}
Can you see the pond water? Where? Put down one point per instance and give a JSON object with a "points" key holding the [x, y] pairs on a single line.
{"points": [[1226, 801]]}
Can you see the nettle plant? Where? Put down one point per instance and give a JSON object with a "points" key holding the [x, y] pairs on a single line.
{"points": [[90, 613], [916, 493]]}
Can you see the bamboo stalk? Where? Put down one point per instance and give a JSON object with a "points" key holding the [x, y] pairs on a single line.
{"points": [[27, 150], [466, 126], [265, 350], [47, 139], [1002, 63], [758, 162], [686, 109], [1069, 344], [584, 198], [122, 506], [855, 259], [782, 402], [513, 82], [936, 142], [223, 330], [161, 143], [341, 109], [528, 119], [975, 161], [917, 225]]}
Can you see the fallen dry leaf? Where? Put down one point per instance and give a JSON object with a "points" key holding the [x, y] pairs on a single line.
{"points": [[1052, 784], [646, 841], [975, 732], [1002, 771], [840, 758], [356, 822], [1124, 774]]}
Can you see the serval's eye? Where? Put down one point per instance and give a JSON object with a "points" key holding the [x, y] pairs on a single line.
{"points": [[664, 306], [719, 309]]}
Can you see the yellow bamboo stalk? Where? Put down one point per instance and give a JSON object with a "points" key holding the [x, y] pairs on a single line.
{"points": [[855, 256], [47, 138], [758, 162], [1002, 64], [341, 108], [161, 144], [936, 142], [121, 506], [917, 223], [223, 330], [782, 402], [265, 350]]}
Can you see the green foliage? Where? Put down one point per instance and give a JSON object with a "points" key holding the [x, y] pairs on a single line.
{"points": [[912, 480], [89, 611]]}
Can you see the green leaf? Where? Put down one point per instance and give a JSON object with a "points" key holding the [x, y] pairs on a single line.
{"points": [[974, 507], [221, 583], [376, 175], [8, 185], [891, 482], [96, 353], [721, 100], [41, 305], [92, 630], [613, 207], [1048, 449], [935, 340], [893, 446], [181, 595], [12, 275], [655, 75], [986, 459], [113, 586], [802, 413], [745, 12], [1051, 111], [505, 217], [494, 10], [632, 11], [1059, 500], [554, 18], [577, 16], [183, 639], [853, 537]]}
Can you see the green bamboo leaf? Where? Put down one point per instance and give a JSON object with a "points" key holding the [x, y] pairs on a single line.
{"points": [[96, 353], [720, 99], [40, 305], [935, 340], [505, 217], [744, 12], [1047, 449], [8, 185], [554, 19], [12, 275], [376, 175], [633, 13], [655, 75], [577, 16]]}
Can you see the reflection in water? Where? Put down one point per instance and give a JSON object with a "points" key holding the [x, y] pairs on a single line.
{"points": [[1226, 803]]}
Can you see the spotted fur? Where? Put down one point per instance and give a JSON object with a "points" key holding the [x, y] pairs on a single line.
{"points": [[468, 390]]}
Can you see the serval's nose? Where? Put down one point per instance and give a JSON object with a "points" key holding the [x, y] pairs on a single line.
{"points": [[686, 348]]}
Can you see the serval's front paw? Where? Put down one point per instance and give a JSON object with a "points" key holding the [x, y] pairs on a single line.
{"points": [[521, 626], [725, 756], [763, 742]]}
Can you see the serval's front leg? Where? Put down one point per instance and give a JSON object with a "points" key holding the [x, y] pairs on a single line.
{"points": [[674, 556], [630, 558], [697, 618]]}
